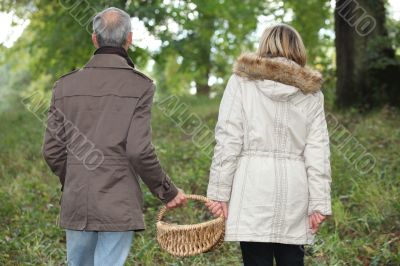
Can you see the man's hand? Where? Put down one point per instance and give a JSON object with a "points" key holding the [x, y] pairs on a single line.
{"points": [[179, 200], [315, 220], [218, 208]]}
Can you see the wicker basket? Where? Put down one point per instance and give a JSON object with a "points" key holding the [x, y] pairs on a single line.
{"points": [[189, 240]]}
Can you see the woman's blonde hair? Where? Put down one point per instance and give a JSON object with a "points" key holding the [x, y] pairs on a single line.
{"points": [[282, 40]]}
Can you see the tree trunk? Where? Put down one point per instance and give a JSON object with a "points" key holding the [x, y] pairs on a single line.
{"points": [[364, 55], [203, 89], [203, 56], [204, 70], [202, 86]]}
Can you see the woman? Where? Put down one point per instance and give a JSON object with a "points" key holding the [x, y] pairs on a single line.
{"points": [[271, 162]]}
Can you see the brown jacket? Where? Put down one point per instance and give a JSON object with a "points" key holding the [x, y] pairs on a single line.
{"points": [[98, 142]]}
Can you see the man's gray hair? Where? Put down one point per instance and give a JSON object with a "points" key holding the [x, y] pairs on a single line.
{"points": [[112, 27]]}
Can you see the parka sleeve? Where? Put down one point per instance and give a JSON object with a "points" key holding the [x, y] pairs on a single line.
{"points": [[229, 142], [317, 161], [141, 152], [54, 148]]}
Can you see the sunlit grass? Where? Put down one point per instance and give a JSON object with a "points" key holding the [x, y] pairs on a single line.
{"points": [[363, 230]]}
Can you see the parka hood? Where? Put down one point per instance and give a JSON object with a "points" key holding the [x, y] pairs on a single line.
{"points": [[267, 71]]}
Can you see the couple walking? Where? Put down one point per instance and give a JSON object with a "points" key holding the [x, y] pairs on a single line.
{"points": [[270, 174]]}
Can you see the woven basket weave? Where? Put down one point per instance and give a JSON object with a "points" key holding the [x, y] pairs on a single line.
{"points": [[189, 240]]}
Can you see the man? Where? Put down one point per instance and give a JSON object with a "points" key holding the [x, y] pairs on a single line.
{"points": [[98, 141]]}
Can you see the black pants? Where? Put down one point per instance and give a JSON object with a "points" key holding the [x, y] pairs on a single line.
{"points": [[262, 254]]}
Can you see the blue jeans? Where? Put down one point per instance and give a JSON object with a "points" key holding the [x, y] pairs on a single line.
{"points": [[91, 248]]}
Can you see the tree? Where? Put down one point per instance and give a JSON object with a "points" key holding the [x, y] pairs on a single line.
{"points": [[199, 39], [367, 69], [58, 37], [308, 23], [205, 36]]}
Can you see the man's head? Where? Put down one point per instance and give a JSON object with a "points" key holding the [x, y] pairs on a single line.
{"points": [[112, 27]]}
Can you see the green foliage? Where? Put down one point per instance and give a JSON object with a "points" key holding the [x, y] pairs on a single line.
{"points": [[394, 34], [200, 39], [58, 38], [368, 70], [309, 18], [14, 76], [202, 36], [209, 33]]}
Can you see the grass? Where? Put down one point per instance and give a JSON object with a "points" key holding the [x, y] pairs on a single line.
{"points": [[364, 230]]}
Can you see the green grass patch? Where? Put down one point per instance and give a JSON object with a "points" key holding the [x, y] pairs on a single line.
{"points": [[363, 230]]}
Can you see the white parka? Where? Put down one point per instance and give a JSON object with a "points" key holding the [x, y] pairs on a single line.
{"points": [[271, 159]]}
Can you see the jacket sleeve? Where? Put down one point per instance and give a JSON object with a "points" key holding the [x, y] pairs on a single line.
{"points": [[54, 146], [317, 156], [141, 152], [229, 142]]}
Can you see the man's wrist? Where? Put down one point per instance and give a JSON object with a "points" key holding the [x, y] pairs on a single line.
{"points": [[170, 193]]}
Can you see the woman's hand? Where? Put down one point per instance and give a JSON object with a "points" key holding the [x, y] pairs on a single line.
{"points": [[315, 220], [218, 208]]}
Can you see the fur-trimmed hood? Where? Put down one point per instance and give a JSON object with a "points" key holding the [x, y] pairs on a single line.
{"points": [[278, 69]]}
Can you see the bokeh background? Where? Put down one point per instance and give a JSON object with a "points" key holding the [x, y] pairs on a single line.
{"points": [[189, 47]]}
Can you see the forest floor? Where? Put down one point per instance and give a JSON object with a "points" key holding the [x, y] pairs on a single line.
{"points": [[364, 230]]}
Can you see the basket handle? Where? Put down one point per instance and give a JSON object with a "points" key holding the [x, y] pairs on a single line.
{"points": [[164, 209]]}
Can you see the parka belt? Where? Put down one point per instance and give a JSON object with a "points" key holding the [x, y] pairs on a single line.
{"points": [[273, 154]]}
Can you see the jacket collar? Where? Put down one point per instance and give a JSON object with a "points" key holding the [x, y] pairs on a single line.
{"points": [[107, 61], [278, 69]]}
